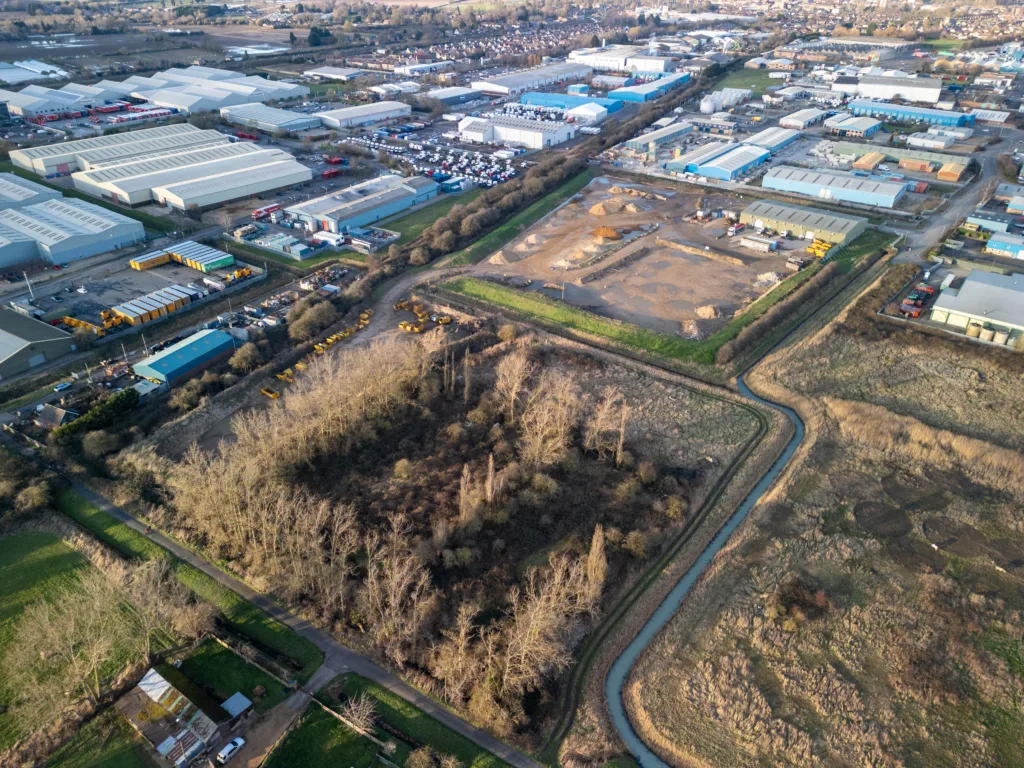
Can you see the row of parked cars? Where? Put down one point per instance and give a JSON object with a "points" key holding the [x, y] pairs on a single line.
{"points": [[915, 302]]}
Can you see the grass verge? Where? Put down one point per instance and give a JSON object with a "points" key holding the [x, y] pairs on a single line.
{"points": [[411, 225], [156, 223], [258, 255], [106, 741], [756, 80], [527, 217], [241, 615], [417, 727], [223, 673], [320, 739]]}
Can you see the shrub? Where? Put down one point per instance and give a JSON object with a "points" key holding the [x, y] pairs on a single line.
{"points": [[247, 357], [99, 416], [99, 443], [507, 333], [636, 544], [627, 490], [403, 469]]}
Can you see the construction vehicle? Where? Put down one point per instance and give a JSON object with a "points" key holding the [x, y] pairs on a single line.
{"points": [[365, 316], [271, 393], [287, 375], [401, 305], [301, 365]]}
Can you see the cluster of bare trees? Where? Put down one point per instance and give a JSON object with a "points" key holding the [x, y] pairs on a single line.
{"points": [[65, 647]]}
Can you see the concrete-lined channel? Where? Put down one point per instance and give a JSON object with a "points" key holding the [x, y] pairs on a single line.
{"points": [[619, 671]]}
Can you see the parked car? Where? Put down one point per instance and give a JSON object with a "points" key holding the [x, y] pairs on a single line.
{"points": [[63, 386], [230, 749]]}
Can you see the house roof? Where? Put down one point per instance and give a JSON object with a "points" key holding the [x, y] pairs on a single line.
{"points": [[236, 704]]}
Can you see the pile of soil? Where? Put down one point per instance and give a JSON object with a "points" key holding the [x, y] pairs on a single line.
{"points": [[606, 233], [606, 208], [708, 312], [695, 330]]}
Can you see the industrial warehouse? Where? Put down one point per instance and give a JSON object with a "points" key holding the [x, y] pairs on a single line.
{"points": [[924, 90], [188, 358], [649, 91], [802, 119], [900, 113], [453, 95], [269, 119], [26, 342], [802, 221], [773, 139], [659, 137], [988, 306], [515, 131], [365, 114], [191, 89], [362, 204], [531, 79], [834, 185]]}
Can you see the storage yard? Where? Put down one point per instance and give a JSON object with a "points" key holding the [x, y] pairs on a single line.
{"points": [[639, 254]]}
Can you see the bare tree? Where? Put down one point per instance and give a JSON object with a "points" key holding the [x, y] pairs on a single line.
{"points": [[512, 373], [597, 567], [467, 498], [602, 428], [455, 662], [549, 419], [620, 447], [467, 382], [360, 711]]}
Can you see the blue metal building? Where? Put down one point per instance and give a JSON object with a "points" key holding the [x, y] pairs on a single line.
{"points": [[650, 91], [992, 221], [188, 358], [733, 163], [579, 89], [567, 101], [900, 113], [1006, 245], [834, 185]]}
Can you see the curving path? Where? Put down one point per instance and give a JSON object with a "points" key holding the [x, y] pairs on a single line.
{"points": [[619, 671]]}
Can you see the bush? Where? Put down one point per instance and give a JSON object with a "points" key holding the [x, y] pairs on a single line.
{"points": [[99, 443], [246, 357], [99, 416], [419, 257], [636, 544], [507, 333], [187, 397], [403, 469]]}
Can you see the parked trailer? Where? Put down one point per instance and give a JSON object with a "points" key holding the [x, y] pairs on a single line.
{"points": [[330, 173], [266, 210], [250, 136]]}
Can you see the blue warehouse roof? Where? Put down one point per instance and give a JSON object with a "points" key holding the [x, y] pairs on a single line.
{"points": [[567, 100], [178, 359], [921, 114]]}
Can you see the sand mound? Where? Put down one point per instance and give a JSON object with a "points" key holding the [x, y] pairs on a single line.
{"points": [[536, 240], [630, 208], [768, 280], [607, 233], [498, 258], [606, 208], [695, 329], [708, 312], [617, 190]]}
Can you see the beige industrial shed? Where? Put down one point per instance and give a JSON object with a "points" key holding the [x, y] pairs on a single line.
{"points": [[988, 306], [209, 190], [26, 342], [803, 221]]}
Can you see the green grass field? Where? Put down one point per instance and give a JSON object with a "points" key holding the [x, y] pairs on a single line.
{"points": [[411, 225], [519, 223], [418, 727], [258, 255], [320, 740], [157, 223], [32, 566], [756, 80], [240, 614], [945, 44], [223, 673], [108, 741]]}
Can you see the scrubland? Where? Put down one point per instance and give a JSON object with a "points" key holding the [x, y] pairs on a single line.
{"points": [[870, 610]]}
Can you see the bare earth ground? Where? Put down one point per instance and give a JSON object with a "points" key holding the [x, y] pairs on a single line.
{"points": [[869, 612], [662, 289]]}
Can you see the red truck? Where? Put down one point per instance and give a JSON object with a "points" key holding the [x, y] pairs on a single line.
{"points": [[333, 160], [330, 173], [266, 210], [250, 136]]}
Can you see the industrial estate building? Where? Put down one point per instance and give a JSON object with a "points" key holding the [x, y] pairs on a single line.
{"points": [[364, 114], [1004, 244], [735, 162], [924, 90], [651, 90], [341, 74], [185, 89], [186, 359], [659, 137], [567, 101], [988, 306], [453, 95], [900, 113], [16, 192], [992, 221], [60, 231], [515, 83], [362, 204], [26, 343], [515, 131], [855, 127], [624, 58], [845, 187], [774, 139], [269, 119], [198, 174], [802, 119], [802, 221]]}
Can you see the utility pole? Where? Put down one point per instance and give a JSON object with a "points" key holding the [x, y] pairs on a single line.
{"points": [[145, 346], [29, 284], [563, 290], [125, 353]]}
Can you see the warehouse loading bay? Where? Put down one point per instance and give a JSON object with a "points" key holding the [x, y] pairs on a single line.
{"points": [[637, 253], [114, 283]]}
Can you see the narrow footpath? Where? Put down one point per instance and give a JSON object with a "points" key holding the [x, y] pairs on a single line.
{"points": [[337, 658]]}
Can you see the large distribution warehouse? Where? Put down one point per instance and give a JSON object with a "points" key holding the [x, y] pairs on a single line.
{"points": [[803, 221], [650, 91], [362, 204], [515, 83], [736, 162], [774, 139], [992, 303], [515, 131], [364, 114], [803, 118], [834, 185], [567, 101], [924, 90], [900, 113], [693, 159], [269, 119], [16, 192], [188, 358], [453, 95], [154, 179], [61, 231]]}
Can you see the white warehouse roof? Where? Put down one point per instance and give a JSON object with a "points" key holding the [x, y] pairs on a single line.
{"points": [[987, 296], [364, 113], [269, 119], [16, 192]]}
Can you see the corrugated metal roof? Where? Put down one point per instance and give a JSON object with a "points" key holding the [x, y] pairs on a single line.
{"points": [[736, 159], [835, 180], [179, 358], [770, 138], [810, 218], [114, 139], [987, 296]]}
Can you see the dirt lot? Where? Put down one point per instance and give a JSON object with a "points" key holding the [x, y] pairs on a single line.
{"points": [[594, 243], [868, 612]]}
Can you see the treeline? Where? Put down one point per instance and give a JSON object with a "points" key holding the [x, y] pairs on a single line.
{"points": [[465, 223], [259, 502], [99, 416]]}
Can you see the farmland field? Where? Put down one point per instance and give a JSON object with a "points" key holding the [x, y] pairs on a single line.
{"points": [[105, 742], [32, 566], [756, 80]]}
